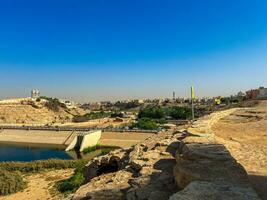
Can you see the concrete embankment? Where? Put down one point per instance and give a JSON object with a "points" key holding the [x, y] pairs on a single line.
{"points": [[36, 137], [84, 140], [70, 139]]}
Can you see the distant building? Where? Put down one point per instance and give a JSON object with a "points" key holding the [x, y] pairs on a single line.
{"points": [[35, 94], [68, 104], [252, 94], [240, 94], [262, 93]]}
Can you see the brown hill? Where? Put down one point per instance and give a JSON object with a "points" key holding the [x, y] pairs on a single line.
{"points": [[32, 112]]}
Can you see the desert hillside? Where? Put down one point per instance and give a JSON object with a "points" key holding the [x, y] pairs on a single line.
{"points": [[32, 112]]}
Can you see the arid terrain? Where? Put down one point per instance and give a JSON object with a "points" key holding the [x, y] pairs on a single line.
{"points": [[244, 133], [41, 186], [34, 113], [123, 140], [160, 165]]}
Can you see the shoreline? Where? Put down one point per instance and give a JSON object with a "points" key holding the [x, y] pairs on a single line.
{"points": [[35, 137], [33, 145], [64, 138]]}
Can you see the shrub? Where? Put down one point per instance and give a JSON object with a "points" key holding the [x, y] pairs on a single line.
{"points": [[90, 116], [161, 121], [159, 113], [104, 149], [53, 104], [36, 166], [146, 124], [74, 182], [152, 112], [10, 182], [117, 114], [180, 112], [126, 106]]}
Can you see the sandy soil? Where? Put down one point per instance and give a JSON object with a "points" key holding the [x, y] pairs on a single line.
{"points": [[123, 140], [41, 186], [244, 133], [34, 113]]}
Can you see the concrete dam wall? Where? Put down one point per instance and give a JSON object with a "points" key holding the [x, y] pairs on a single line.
{"points": [[37, 137], [84, 140], [73, 139]]}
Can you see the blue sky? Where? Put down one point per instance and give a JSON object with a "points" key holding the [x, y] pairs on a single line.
{"points": [[108, 50]]}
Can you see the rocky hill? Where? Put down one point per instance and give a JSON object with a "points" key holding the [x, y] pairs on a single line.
{"points": [[181, 165], [33, 112]]}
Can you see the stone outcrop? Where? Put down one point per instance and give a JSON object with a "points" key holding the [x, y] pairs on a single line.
{"points": [[203, 164], [214, 191], [171, 165], [205, 169], [144, 171]]}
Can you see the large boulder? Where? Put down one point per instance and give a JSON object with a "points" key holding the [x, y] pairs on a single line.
{"points": [[108, 186], [215, 191]]}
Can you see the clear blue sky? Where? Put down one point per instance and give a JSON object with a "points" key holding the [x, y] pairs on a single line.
{"points": [[117, 49]]}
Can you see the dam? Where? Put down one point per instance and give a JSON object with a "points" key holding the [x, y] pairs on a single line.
{"points": [[73, 139]]}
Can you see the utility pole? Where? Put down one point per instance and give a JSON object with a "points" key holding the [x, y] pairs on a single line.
{"points": [[192, 102]]}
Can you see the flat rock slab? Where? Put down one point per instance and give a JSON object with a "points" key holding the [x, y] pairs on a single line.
{"points": [[201, 190]]}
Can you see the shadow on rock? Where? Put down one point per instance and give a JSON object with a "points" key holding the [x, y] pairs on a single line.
{"points": [[259, 183]]}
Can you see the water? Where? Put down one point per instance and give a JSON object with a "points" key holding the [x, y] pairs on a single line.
{"points": [[27, 152]]}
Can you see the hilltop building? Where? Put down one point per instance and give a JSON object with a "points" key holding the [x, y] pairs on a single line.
{"points": [[35, 94], [68, 104], [260, 93]]}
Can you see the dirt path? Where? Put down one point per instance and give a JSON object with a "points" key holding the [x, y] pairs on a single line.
{"points": [[41, 186], [244, 133]]}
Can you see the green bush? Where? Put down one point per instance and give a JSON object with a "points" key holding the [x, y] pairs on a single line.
{"points": [[146, 124], [10, 182], [161, 121], [104, 149], [159, 113], [126, 106], [74, 182], [152, 112], [90, 116], [180, 112], [53, 104], [78, 179], [36, 166]]}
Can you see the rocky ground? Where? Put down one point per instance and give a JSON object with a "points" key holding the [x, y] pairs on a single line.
{"points": [[244, 133], [34, 113], [188, 164]]}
